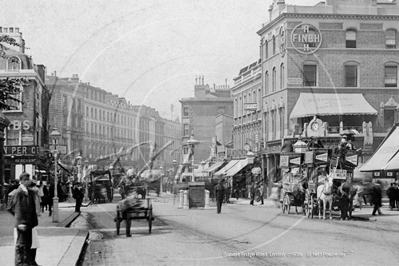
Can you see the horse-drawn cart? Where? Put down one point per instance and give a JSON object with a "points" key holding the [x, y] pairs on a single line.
{"points": [[293, 190], [133, 208]]}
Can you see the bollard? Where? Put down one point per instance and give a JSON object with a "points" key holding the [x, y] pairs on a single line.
{"points": [[185, 199], [180, 199], [206, 199]]}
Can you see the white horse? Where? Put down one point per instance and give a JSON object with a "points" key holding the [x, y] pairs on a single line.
{"points": [[324, 194]]}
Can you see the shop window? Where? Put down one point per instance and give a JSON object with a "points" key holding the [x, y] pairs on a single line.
{"points": [[350, 76], [390, 39], [309, 75], [351, 38], [391, 76]]}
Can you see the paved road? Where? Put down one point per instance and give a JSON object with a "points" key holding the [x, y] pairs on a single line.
{"points": [[241, 235]]}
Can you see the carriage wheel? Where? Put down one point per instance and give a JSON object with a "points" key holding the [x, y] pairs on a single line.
{"points": [[149, 220]]}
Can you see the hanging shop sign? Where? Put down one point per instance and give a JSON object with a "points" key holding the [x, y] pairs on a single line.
{"points": [[352, 159], [306, 38], [284, 161]]}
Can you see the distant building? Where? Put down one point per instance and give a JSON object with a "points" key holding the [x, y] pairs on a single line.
{"points": [[198, 115], [223, 143], [172, 132]]}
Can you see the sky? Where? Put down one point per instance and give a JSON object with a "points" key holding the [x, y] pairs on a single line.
{"points": [[147, 51]]}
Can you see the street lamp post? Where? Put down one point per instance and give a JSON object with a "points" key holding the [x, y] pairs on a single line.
{"points": [[192, 142], [79, 165], [55, 136], [86, 198], [162, 173]]}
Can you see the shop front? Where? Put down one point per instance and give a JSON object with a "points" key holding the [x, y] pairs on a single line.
{"points": [[30, 159]]}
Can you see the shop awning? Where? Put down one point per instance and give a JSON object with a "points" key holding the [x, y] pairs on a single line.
{"points": [[214, 167], [226, 167], [311, 104], [393, 164], [385, 155], [237, 167]]}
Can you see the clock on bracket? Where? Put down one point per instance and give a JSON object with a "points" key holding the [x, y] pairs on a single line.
{"points": [[315, 128]]}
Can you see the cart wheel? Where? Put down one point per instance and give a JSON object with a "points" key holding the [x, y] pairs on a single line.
{"points": [[149, 220]]}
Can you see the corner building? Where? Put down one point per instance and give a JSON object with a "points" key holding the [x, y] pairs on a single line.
{"points": [[327, 68]]}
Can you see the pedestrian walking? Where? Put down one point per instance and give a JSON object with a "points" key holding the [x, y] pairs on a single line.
{"points": [[219, 194], [252, 192], [376, 199], [50, 197], [396, 195], [261, 193], [78, 196], [23, 207], [35, 237], [391, 195]]}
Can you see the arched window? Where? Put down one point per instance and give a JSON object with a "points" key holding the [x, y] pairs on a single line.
{"points": [[281, 76], [274, 45], [14, 63], [266, 49], [351, 38], [274, 79], [266, 88], [390, 39]]}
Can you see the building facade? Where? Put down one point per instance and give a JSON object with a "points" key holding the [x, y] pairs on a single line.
{"points": [[198, 116], [95, 123], [172, 132], [326, 68], [26, 138]]}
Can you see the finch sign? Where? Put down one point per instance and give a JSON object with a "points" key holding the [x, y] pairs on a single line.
{"points": [[306, 38]]}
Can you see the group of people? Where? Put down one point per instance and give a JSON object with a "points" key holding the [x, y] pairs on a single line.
{"points": [[393, 195], [257, 192]]}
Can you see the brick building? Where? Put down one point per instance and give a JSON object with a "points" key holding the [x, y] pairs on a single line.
{"points": [[327, 68], [198, 115], [26, 137], [324, 69]]}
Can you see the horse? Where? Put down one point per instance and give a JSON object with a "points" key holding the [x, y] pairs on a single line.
{"points": [[324, 194]]}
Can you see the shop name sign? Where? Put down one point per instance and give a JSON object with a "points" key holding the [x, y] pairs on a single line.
{"points": [[306, 38], [250, 106], [21, 150]]}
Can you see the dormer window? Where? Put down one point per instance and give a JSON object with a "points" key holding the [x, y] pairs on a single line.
{"points": [[14, 63]]}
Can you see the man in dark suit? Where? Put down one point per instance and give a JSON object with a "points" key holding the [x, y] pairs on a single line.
{"points": [[219, 194], [78, 195], [22, 206]]}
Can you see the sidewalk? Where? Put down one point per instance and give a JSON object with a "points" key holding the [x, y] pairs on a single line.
{"points": [[58, 245], [365, 213]]}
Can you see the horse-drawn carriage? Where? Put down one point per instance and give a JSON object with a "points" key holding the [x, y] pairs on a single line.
{"points": [[332, 184], [100, 186]]}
